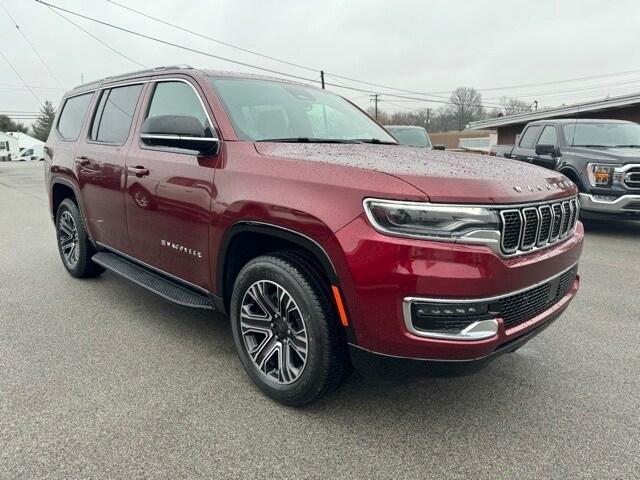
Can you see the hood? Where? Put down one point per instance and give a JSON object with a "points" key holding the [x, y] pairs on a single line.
{"points": [[613, 154], [442, 176]]}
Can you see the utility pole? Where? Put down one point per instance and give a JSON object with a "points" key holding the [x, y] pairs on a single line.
{"points": [[322, 78], [375, 98]]}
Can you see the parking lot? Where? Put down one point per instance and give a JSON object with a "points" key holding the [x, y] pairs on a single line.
{"points": [[101, 379]]}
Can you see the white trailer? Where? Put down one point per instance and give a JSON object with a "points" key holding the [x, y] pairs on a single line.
{"points": [[9, 147]]}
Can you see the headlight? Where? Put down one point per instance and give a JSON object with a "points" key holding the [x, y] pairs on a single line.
{"points": [[415, 219], [601, 175]]}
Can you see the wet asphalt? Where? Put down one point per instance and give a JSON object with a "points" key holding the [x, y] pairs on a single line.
{"points": [[101, 379]]}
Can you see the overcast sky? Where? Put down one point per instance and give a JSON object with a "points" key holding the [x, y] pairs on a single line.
{"points": [[424, 46]]}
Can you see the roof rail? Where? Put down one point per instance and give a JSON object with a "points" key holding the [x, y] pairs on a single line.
{"points": [[135, 73]]}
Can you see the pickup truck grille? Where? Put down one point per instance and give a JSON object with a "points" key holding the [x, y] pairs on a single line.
{"points": [[632, 178], [526, 305], [536, 226]]}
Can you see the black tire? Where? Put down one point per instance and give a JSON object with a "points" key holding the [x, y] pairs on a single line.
{"points": [[79, 264], [326, 360]]}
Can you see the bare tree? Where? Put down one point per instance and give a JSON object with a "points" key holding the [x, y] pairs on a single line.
{"points": [[466, 105], [383, 117], [511, 106], [421, 118]]}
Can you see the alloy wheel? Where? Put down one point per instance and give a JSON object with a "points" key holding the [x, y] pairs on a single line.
{"points": [[274, 332], [68, 238]]}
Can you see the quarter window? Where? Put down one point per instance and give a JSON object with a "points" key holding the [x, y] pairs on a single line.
{"points": [[529, 136], [72, 116], [549, 136], [178, 98], [114, 114]]}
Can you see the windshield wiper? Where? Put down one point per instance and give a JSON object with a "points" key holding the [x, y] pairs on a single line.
{"points": [[307, 140], [627, 146], [375, 141]]}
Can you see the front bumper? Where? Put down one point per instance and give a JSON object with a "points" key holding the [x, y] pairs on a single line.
{"points": [[626, 204], [378, 273]]}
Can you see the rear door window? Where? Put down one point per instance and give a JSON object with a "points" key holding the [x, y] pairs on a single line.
{"points": [[528, 138], [72, 116], [114, 115]]}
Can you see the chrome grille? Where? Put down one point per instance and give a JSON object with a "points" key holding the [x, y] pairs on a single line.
{"points": [[556, 208], [511, 229], [536, 226], [530, 228], [632, 178], [545, 224]]}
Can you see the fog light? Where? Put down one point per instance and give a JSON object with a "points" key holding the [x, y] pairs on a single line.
{"points": [[452, 321], [451, 309]]}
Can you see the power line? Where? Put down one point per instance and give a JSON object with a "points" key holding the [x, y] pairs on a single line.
{"points": [[22, 87], [206, 37], [552, 82], [176, 45], [226, 59], [344, 77], [20, 77], [351, 79], [218, 57], [335, 76], [548, 93], [31, 45], [94, 37]]}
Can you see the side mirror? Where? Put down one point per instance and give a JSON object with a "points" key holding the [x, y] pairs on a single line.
{"points": [[439, 147], [178, 131], [547, 150]]}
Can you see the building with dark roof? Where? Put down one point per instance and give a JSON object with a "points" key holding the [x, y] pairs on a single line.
{"points": [[625, 107]]}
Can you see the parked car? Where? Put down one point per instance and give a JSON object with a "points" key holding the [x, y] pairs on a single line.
{"points": [[34, 152], [325, 241], [410, 135], [602, 157]]}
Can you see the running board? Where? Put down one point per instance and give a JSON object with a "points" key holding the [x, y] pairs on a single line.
{"points": [[159, 284]]}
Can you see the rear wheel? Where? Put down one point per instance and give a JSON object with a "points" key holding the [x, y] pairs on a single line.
{"points": [[74, 245], [285, 329]]}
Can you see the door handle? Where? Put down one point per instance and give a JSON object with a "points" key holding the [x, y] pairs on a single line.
{"points": [[82, 160], [138, 171]]}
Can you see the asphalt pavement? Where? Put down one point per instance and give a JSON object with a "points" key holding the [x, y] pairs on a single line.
{"points": [[101, 379]]}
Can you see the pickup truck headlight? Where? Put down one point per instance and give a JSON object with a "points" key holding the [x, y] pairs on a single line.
{"points": [[601, 175], [425, 220]]}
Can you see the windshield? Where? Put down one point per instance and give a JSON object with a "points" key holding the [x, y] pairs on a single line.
{"points": [[262, 110], [602, 134], [413, 137]]}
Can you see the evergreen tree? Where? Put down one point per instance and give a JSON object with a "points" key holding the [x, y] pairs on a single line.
{"points": [[40, 129]]}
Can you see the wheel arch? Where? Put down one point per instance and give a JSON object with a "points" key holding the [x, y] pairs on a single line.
{"points": [[263, 238], [62, 188], [573, 175]]}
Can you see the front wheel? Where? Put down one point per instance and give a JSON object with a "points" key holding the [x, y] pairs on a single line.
{"points": [[285, 329]]}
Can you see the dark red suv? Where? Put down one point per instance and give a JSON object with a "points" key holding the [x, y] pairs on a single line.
{"points": [[289, 208]]}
